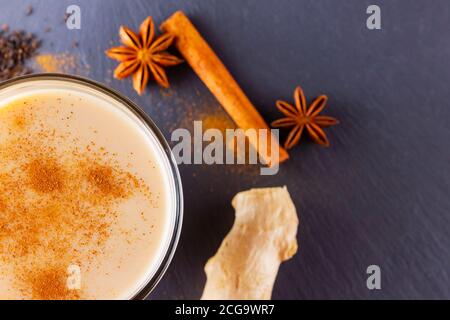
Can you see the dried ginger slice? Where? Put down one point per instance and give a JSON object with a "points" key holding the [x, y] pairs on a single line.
{"points": [[263, 235]]}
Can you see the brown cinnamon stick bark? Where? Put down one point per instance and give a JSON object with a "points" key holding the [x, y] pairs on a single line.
{"points": [[219, 81]]}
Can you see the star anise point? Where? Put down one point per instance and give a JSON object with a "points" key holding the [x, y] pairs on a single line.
{"points": [[301, 116]]}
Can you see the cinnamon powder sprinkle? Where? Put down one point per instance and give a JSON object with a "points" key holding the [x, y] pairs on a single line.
{"points": [[57, 206], [56, 63], [64, 62], [50, 284], [104, 179], [45, 175]]}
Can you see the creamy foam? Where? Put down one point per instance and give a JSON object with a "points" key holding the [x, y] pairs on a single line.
{"points": [[85, 184]]}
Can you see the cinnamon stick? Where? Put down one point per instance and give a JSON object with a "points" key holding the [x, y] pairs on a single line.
{"points": [[220, 82]]}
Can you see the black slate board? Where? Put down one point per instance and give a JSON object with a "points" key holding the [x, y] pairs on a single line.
{"points": [[378, 195]]}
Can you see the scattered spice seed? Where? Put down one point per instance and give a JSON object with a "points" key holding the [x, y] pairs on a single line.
{"points": [[47, 29], [16, 47]]}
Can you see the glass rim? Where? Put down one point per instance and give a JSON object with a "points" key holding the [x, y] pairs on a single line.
{"points": [[142, 116]]}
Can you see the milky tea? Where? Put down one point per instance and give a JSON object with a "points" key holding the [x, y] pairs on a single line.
{"points": [[86, 207]]}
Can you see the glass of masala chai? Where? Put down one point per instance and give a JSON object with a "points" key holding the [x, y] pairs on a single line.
{"points": [[90, 195]]}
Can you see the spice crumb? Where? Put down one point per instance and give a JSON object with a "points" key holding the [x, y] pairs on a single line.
{"points": [[29, 10]]}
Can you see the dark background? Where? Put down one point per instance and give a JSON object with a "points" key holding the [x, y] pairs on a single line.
{"points": [[378, 195]]}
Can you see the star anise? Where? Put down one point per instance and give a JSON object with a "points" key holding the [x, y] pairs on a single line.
{"points": [[301, 116], [143, 55]]}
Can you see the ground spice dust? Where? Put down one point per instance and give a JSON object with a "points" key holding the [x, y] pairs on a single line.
{"points": [[202, 108], [217, 120], [105, 180], [45, 175], [51, 284], [2, 207], [56, 63], [61, 63], [55, 205]]}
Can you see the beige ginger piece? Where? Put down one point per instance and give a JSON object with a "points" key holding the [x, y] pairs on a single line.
{"points": [[263, 236]]}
